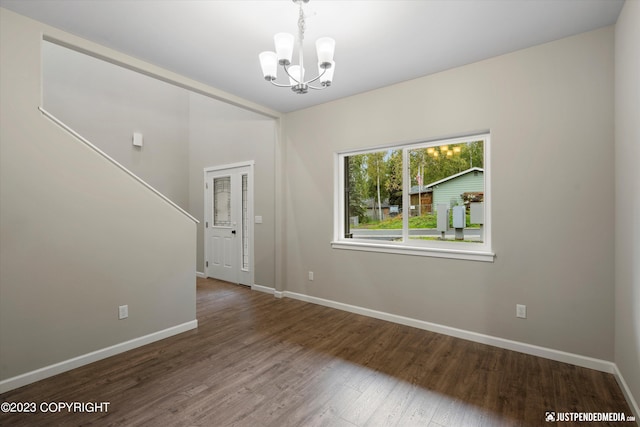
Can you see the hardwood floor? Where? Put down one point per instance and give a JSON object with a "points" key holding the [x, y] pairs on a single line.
{"points": [[259, 361]]}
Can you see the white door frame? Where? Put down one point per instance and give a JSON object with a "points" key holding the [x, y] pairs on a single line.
{"points": [[250, 215]]}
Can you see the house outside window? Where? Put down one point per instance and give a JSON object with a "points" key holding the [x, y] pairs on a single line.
{"points": [[429, 198]]}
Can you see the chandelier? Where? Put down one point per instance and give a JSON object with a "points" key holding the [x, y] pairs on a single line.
{"points": [[284, 42]]}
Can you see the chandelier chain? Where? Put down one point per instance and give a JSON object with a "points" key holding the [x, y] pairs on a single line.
{"points": [[301, 23]]}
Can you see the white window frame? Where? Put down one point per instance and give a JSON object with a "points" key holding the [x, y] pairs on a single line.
{"points": [[440, 249]]}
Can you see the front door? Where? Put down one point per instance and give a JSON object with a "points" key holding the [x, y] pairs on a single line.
{"points": [[228, 230]]}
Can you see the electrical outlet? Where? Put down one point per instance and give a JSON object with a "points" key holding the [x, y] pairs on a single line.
{"points": [[311, 275], [123, 312], [521, 311]]}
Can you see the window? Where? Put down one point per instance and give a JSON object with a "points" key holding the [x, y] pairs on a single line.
{"points": [[428, 198], [245, 222]]}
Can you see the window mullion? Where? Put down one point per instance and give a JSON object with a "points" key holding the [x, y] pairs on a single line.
{"points": [[406, 197], [347, 189]]}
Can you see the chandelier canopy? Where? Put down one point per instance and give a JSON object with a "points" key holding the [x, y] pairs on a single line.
{"points": [[325, 47]]}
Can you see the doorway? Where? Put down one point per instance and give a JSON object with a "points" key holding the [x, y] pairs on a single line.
{"points": [[228, 232]]}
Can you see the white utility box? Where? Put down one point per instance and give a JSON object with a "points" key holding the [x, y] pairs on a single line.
{"points": [[443, 217], [459, 217], [477, 213]]}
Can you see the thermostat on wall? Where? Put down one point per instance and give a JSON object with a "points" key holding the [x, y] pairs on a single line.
{"points": [[137, 139]]}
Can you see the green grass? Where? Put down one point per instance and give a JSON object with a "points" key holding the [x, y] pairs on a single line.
{"points": [[423, 221], [447, 240]]}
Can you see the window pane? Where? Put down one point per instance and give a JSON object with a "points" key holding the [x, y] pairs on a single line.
{"points": [[245, 222], [373, 195], [447, 184], [222, 202]]}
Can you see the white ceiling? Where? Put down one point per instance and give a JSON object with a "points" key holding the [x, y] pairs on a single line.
{"points": [[378, 42]]}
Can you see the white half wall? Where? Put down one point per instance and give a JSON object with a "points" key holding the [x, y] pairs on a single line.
{"points": [[78, 236]]}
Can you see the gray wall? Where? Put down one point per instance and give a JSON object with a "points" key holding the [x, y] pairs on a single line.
{"points": [[222, 134], [550, 112], [627, 190], [78, 236], [184, 132], [106, 103]]}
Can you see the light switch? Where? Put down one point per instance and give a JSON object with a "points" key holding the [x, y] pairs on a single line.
{"points": [[258, 219]]}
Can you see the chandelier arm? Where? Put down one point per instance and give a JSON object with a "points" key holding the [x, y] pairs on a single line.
{"points": [[279, 84], [317, 88], [313, 80], [324, 70]]}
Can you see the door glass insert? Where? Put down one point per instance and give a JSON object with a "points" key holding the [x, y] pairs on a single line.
{"points": [[222, 201]]}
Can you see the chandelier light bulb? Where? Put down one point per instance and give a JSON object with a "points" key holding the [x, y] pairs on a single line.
{"points": [[294, 75], [284, 47], [327, 77], [325, 46], [269, 64]]}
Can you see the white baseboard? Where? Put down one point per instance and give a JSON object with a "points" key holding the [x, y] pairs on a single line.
{"points": [[260, 288], [547, 353], [627, 392], [94, 356], [268, 290], [200, 274]]}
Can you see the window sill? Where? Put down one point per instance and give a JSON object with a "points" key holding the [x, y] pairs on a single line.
{"points": [[415, 250]]}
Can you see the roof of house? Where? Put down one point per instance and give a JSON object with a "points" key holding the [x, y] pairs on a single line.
{"points": [[449, 178], [429, 187], [423, 189]]}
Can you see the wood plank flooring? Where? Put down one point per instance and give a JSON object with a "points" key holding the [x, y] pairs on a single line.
{"points": [[260, 361]]}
